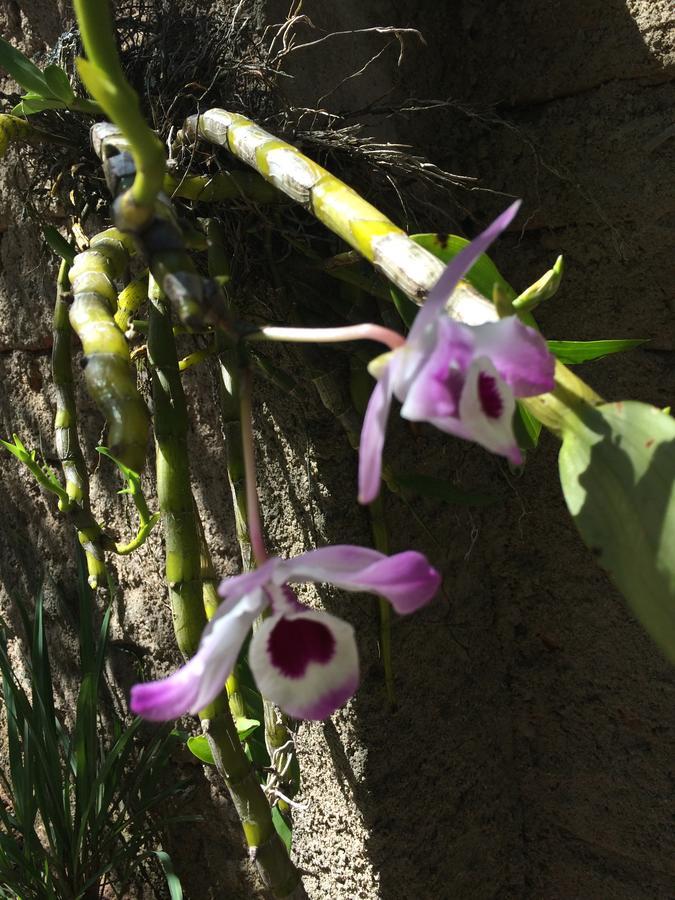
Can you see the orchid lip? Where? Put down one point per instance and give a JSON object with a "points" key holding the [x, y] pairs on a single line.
{"points": [[302, 659]]}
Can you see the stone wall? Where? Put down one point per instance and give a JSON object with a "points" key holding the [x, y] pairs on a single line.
{"points": [[530, 755]]}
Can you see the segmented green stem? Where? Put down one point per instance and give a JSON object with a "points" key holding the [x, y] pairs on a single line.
{"points": [[107, 364], [129, 301], [104, 79], [65, 431], [222, 186], [278, 738], [185, 567], [177, 509], [410, 267], [160, 241]]}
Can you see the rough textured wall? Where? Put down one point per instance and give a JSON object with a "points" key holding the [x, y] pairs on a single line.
{"points": [[531, 752]]}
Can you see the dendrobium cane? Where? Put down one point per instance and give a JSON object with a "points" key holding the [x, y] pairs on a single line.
{"points": [[303, 660], [461, 378]]}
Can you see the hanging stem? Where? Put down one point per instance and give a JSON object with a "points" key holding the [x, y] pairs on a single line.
{"points": [[107, 363], [65, 428], [248, 445], [185, 566], [278, 737]]}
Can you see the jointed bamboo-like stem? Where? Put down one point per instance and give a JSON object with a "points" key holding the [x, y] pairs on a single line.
{"points": [[107, 364], [412, 269], [340, 208], [222, 186], [177, 509], [129, 301], [66, 439], [160, 241], [186, 565]]}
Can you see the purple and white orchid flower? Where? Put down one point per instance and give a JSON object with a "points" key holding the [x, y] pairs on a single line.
{"points": [[463, 379], [303, 660]]}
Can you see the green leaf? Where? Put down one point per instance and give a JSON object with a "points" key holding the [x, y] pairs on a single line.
{"points": [[172, 880], [29, 107], [22, 69], [282, 827], [58, 84], [617, 470], [483, 274], [58, 243], [438, 489], [406, 309], [526, 427], [245, 727], [571, 352], [199, 747]]}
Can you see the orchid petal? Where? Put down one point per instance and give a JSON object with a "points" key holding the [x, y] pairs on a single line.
{"points": [[372, 438], [437, 387], [199, 682], [519, 354], [236, 587], [406, 580], [438, 296], [486, 410], [306, 663]]}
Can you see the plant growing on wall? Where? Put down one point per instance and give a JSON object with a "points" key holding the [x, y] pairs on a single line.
{"points": [[466, 356]]}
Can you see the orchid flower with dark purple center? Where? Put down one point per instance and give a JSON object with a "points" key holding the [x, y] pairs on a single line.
{"points": [[303, 660], [461, 378]]}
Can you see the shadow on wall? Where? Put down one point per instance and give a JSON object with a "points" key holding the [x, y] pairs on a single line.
{"points": [[529, 756]]}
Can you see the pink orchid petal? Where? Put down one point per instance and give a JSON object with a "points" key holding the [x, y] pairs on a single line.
{"points": [[306, 663], [234, 588], [406, 580], [199, 682], [437, 387], [456, 269], [372, 438], [519, 354]]}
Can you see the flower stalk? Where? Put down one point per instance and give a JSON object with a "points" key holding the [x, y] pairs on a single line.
{"points": [[186, 564]]}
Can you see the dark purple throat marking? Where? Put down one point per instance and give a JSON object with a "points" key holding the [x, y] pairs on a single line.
{"points": [[488, 394], [294, 643]]}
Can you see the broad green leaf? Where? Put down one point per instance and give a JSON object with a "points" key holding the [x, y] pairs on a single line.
{"points": [[617, 470], [199, 747], [571, 352], [438, 489], [172, 880], [282, 827], [22, 69], [28, 107], [245, 727], [58, 84]]}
